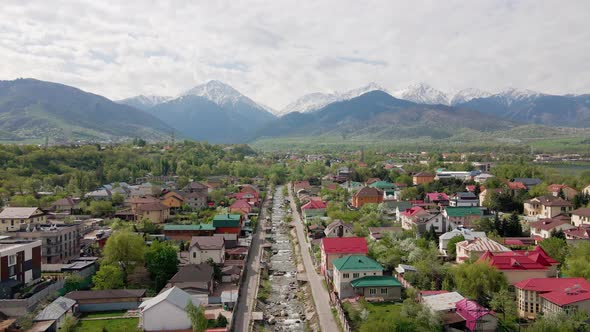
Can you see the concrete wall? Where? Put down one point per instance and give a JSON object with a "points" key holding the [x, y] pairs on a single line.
{"points": [[165, 316]]}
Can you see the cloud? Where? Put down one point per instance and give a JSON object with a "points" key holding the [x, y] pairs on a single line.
{"points": [[276, 51]]}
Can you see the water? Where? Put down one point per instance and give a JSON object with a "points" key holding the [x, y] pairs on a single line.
{"points": [[283, 303]]}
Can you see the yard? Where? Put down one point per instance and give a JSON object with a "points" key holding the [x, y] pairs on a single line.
{"points": [[365, 316], [107, 325]]}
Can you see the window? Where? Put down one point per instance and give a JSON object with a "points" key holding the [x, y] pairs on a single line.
{"points": [[372, 291], [355, 275], [345, 275], [383, 290], [11, 260], [194, 255]]}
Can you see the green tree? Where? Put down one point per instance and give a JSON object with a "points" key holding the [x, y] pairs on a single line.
{"points": [[108, 277], [221, 321], [409, 193], [126, 250], [72, 282], [196, 316], [117, 199], [556, 248], [561, 322], [513, 226], [503, 302], [452, 246], [100, 208], [577, 263], [161, 261], [478, 281]]}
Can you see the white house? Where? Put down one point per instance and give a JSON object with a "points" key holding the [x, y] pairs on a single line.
{"points": [[543, 228], [581, 216], [204, 247], [467, 234], [339, 229], [167, 311], [586, 190]]}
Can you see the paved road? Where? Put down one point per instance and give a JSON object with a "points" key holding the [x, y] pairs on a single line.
{"points": [[246, 301], [320, 294]]}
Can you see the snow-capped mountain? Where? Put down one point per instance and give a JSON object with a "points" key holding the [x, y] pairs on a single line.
{"points": [[466, 95], [144, 102], [221, 94], [422, 93], [511, 95], [315, 101]]}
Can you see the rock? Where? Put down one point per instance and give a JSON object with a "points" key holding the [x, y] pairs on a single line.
{"points": [[283, 313], [272, 320]]}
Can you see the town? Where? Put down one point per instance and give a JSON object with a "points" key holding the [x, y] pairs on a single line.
{"points": [[198, 237]]}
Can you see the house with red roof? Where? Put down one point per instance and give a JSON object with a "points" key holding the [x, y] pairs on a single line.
{"points": [[315, 208], [568, 192], [335, 247], [550, 295], [519, 265], [477, 317], [421, 220], [543, 228], [437, 198], [241, 206], [298, 185]]}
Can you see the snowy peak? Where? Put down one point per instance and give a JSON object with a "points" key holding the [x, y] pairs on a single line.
{"points": [[513, 93], [422, 93], [217, 92], [315, 101], [466, 95], [144, 102]]}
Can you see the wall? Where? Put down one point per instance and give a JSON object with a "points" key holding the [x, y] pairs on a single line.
{"points": [[165, 316], [20, 307]]}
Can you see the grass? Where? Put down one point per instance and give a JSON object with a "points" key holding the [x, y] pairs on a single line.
{"points": [[109, 325], [377, 312], [119, 313]]}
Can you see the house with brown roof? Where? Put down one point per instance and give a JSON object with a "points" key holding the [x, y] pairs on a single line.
{"points": [[580, 233], [581, 216], [11, 218], [241, 206], [173, 199], [67, 205], [338, 228], [568, 192], [423, 177], [195, 279], [367, 195], [155, 211], [547, 207], [203, 248], [543, 228]]}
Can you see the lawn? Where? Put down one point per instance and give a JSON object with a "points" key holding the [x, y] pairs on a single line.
{"points": [[377, 312], [108, 325], [104, 314]]}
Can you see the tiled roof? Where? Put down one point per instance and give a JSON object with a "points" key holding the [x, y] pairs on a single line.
{"points": [[240, 204], [568, 296], [516, 186], [356, 262], [369, 192], [345, 245], [548, 224], [550, 201], [585, 212], [207, 242], [375, 281], [549, 284], [18, 212], [580, 232], [193, 273], [155, 206], [314, 204], [413, 211], [437, 197], [482, 244], [536, 259]]}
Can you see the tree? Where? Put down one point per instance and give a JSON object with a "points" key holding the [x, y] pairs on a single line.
{"points": [[513, 226], [409, 193], [196, 316], [108, 277], [577, 263], [100, 208], [558, 234], [561, 322], [69, 323], [117, 199], [452, 246], [161, 261], [72, 282], [217, 274], [503, 302], [125, 250], [478, 281], [221, 321], [556, 247]]}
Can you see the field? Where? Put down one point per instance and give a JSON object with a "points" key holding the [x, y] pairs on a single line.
{"points": [[107, 325]]}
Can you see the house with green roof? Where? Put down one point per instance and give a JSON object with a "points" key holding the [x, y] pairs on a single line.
{"points": [[464, 216], [351, 267], [228, 223], [387, 187], [186, 232], [387, 288]]}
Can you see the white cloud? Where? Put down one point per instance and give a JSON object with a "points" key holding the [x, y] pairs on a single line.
{"points": [[275, 51]]}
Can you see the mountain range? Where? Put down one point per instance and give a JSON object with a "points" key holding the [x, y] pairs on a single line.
{"points": [[218, 113]]}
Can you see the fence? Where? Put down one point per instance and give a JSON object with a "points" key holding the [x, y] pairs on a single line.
{"points": [[20, 307], [342, 316]]}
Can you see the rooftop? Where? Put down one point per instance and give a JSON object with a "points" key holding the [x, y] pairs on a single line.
{"points": [[442, 302], [463, 211], [376, 281], [356, 262], [197, 227], [345, 245], [19, 212]]}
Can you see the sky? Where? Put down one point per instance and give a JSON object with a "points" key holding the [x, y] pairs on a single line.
{"points": [[276, 51]]}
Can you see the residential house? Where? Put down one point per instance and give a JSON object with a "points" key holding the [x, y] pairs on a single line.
{"points": [[241, 206], [167, 311], [547, 207], [567, 191], [473, 249], [468, 234], [352, 186], [195, 187], [350, 267], [316, 231], [519, 265], [443, 302], [586, 190], [423, 177], [528, 182], [298, 185], [437, 198], [56, 313], [195, 279], [20, 264], [376, 233], [196, 195], [477, 317], [157, 212], [315, 208], [462, 216], [107, 300], [482, 178], [441, 174], [387, 188], [337, 228], [464, 199], [543, 228], [11, 218], [336, 247], [539, 295], [173, 199], [385, 288], [249, 193], [65, 205], [422, 220], [99, 195], [205, 248], [186, 232], [392, 208], [367, 195], [60, 242], [343, 174], [581, 216], [580, 233], [228, 223]]}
